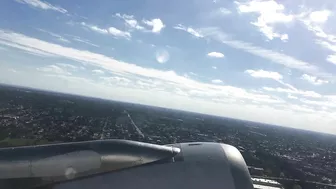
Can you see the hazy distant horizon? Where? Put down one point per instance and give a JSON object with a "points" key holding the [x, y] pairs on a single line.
{"points": [[172, 109]]}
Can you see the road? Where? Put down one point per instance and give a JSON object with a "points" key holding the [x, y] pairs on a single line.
{"points": [[135, 126], [103, 129]]}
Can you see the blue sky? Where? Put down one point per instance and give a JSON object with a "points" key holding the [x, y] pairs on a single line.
{"points": [[267, 61]]}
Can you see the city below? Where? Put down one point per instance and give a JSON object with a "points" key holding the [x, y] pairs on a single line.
{"points": [[282, 156]]}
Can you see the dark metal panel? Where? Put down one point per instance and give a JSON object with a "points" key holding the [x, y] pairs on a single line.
{"points": [[69, 160], [134, 165], [179, 175], [204, 166]]}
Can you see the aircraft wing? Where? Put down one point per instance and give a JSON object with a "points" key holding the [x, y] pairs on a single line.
{"points": [[123, 164]]}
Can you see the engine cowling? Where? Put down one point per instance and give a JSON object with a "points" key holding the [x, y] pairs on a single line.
{"points": [[128, 165], [196, 166]]}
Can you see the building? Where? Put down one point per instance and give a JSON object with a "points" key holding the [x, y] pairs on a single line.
{"points": [[261, 183]]}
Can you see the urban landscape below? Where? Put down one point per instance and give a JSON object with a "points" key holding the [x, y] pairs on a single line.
{"points": [[278, 156]]}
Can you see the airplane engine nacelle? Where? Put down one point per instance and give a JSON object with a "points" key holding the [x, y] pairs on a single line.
{"points": [[197, 166], [122, 164]]}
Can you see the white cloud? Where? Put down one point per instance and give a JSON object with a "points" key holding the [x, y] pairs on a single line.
{"points": [[331, 46], [273, 56], [53, 69], [216, 81], [264, 74], [332, 58], [68, 66], [291, 96], [29, 50], [130, 21], [218, 13], [124, 16], [259, 6], [270, 55], [317, 29], [95, 28], [59, 37], [150, 92], [311, 94], [78, 39], [313, 80], [99, 30], [270, 13], [284, 37], [214, 67], [224, 11], [269, 33], [319, 16], [270, 75], [118, 33], [122, 68], [319, 103], [314, 22], [156, 24], [134, 24], [149, 86], [120, 80], [42, 5], [88, 57], [111, 30], [98, 72], [216, 54], [189, 30]]}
